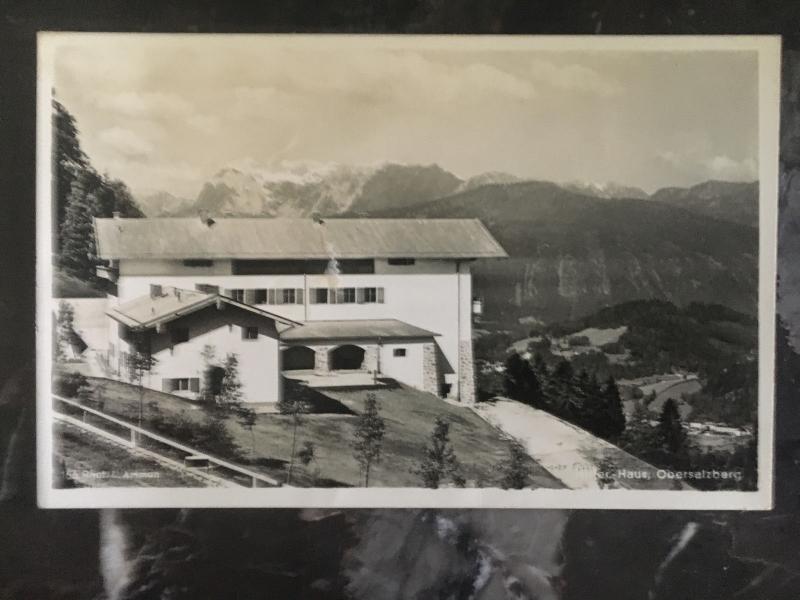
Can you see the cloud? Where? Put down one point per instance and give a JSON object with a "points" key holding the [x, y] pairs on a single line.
{"points": [[125, 143], [575, 78], [143, 104], [204, 123], [702, 166], [725, 167]]}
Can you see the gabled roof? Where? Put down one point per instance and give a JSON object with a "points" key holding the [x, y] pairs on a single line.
{"points": [[386, 329], [146, 312], [262, 238]]}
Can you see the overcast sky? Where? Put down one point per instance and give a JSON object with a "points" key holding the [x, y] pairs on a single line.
{"points": [[166, 113]]}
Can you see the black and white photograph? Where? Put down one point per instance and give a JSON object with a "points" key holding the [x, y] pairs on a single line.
{"points": [[418, 271]]}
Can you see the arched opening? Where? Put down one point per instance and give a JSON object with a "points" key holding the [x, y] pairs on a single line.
{"points": [[346, 358], [298, 358]]}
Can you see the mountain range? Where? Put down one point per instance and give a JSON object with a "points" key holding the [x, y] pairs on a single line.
{"points": [[574, 247]]}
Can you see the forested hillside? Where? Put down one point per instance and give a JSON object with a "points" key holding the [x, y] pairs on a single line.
{"points": [[80, 193]]}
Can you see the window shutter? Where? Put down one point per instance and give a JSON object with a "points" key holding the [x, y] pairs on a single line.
{"points": [[278, 296], [271, 296], [380, 295], [249, 296], [312, 299], [166, 385], [333, 296], [298, 295], [229, 293], [194, 384], [360, 295]]}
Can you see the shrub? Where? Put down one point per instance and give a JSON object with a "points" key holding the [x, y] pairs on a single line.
{"points": [[68, 384]]}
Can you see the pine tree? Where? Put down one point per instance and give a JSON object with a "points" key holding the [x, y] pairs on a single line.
{"points": [[69, 159], [114, 196], [140, 362], [77, 253], [65, 328], [295, 407], [588, 406], [614, 416], [540, 366], [517, 471], [231, 392], [670, 429], [368, 436], [520, 381], [440, 462]]}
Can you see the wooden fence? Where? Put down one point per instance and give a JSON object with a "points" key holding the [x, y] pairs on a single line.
{"points": [[192, 454]]}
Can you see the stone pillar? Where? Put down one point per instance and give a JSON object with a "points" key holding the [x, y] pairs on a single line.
{"points": [[321, 358], [370, 358], [466, 372], [430, 368]]}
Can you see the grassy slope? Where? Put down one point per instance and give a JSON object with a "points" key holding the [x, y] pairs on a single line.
{"points": [[82, 451], [409, 416]]}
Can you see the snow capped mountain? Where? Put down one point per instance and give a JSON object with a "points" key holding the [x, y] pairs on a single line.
{"points": [[299, 189], [608, 189], [488, 178]]}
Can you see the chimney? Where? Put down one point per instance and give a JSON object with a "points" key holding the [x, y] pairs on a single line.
{"points": [[116, 214], [155, 290]]}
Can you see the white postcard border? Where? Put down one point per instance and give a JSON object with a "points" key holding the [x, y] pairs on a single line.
{"points": [[768, 49]]}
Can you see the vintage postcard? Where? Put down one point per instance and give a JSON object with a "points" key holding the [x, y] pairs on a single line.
{"points": [[406, 271]]}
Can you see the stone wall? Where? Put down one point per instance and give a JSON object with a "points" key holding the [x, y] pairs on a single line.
{"points": [[430, 368], [321, 358], [370, 357], [466, 370]]}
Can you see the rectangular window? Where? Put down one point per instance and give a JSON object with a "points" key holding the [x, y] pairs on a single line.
{"points": [[399, 352], [348, 295], [259, 296], [198, 262], [181, 384], [319, 296], [179, 335], [288, 296], [249, 333], [370, 295], [401, 261], [237, 295]]}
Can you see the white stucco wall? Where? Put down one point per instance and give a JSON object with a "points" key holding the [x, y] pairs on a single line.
{"points": [[407, 369], [429, 294], [259, 359]]}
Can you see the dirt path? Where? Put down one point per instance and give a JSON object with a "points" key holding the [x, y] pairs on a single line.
{"points": [[569, 453]]}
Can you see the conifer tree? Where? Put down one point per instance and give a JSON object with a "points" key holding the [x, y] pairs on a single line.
{"points": [[368, 436], [440, 462], [295, 407], [614, 421], [69, 159], [520, 381], [77, 252], [517, 471], [670, 429], [231, 389]]}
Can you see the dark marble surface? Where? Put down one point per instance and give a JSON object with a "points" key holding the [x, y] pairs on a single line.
{"points": [[220, 554]]}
